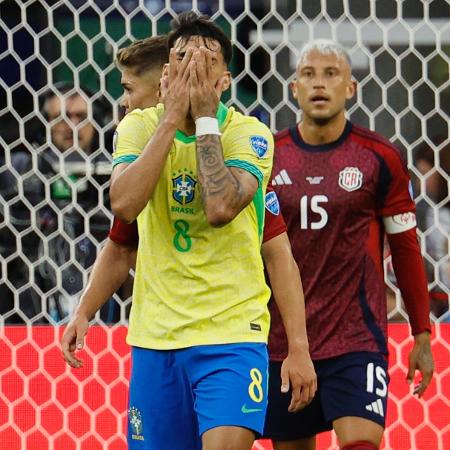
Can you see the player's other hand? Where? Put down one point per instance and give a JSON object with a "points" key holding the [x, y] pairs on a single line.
{"points": [[73, 339], [175, 87], [421, 359], [204, 91], [163, 84], [298, 374]]}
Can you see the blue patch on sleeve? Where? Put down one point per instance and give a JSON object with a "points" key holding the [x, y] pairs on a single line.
{"points": [[260, 145], [272, 203]]}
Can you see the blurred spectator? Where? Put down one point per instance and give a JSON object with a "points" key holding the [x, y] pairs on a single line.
{"points": [[433, 217], [58, 186]]}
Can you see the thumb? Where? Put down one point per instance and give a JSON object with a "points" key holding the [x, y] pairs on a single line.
{"points": [[284, 379], [81, 333]]}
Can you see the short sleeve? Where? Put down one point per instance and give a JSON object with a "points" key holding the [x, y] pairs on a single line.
{"points": [[248, 144], [132, 135], [274, 223]]}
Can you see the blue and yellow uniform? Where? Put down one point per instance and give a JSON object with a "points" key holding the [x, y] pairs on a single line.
{"points": [[199, 288]]}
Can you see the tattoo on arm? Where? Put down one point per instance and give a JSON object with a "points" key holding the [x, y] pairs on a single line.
{"points": [[214, 177]]}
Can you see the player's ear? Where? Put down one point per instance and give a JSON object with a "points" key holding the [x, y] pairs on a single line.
{"points": [[293, 86], [351, 89], [224, 81]]}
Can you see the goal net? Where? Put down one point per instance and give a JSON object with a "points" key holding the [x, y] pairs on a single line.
{"points": [[54, 209]]}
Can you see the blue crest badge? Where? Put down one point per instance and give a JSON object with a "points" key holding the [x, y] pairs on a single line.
{"points": [[259, 145], [272, 203], [183, 188]]}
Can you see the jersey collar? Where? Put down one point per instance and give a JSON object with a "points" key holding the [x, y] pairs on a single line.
{"points": [[297, 138], [221, 115]]}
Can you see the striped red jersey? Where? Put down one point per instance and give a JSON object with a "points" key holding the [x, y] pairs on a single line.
{"points": [[333, 198]]}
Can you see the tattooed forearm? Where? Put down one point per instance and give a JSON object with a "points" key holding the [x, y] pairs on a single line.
{"points": [[214, 177]]}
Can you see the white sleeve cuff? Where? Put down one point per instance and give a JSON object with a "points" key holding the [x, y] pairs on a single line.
{"points": [[399, 223]]}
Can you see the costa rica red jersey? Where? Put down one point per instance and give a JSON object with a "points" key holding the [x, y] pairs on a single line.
{"points": [[333, 198]]}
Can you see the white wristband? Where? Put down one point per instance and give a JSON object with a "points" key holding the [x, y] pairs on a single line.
{"points": [[206, 125]]}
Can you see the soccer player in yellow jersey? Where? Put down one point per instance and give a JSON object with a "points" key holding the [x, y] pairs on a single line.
{"points": [[140, 64], [193, 173]]}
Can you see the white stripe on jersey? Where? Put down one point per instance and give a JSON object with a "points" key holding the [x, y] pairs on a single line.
{"points": [[281, 178]]}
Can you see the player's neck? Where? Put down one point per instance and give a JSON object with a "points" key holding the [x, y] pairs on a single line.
{"points": [[316, 133]]}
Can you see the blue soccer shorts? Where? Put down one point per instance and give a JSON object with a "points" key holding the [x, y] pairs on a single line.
{"points": [[355, 384], [177, 395]]}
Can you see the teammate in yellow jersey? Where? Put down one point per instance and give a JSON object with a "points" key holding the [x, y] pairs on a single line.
{"points": [[282, 271]]}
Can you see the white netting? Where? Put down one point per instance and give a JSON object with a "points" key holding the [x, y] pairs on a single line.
{"points": [[54, 211]]}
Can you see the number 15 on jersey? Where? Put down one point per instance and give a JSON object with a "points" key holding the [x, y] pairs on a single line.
{"points": [[309, 205]]}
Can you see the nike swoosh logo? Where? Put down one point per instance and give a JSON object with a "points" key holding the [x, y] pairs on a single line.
{"points": [[246, 410]]}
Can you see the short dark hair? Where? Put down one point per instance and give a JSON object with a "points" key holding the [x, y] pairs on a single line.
{"points": [[189, 24], [144, 55]]}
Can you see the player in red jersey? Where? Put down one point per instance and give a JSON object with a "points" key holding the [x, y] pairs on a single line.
{"points": [[341, 188]]}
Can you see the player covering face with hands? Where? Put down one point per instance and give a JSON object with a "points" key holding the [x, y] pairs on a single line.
{"points": [[277, 248]]}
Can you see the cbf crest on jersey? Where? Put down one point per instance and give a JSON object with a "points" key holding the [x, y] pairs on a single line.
{"points": [[272, 203], [183, 188], [260, 145], [350, 179], [135, 419]]}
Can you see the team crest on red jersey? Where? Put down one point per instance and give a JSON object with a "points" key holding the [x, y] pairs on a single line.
{"points": [[350, 179]]}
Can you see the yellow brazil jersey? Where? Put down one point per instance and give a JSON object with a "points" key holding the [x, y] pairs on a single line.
{"points": [[196, 284]]}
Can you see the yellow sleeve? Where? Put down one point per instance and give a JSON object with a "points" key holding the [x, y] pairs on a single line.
{"points": [[249, 144], [132, 135]]}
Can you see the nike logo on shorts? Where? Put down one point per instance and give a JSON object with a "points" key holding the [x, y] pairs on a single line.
{"points": [[246, 410]]}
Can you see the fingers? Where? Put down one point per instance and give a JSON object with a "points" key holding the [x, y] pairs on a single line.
{"points": [[68, 344], [193, 79], [208, 64], [302, 393], [163, 83], [200, 60], [427, 376], [173, 64], [421, 360], [284, 375], [177, 68], [72, 340], [184, 64], [81, 333], [410, 374], [296, 398]]}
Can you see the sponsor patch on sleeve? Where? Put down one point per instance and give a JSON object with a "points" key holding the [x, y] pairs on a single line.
{"points": [[272, 204], [260, 145]]}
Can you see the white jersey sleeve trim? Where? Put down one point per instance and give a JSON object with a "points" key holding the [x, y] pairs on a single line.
{"points": [[399, 223]]}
